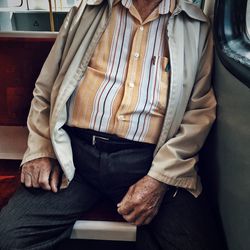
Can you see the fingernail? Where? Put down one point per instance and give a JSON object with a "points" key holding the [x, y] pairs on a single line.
{"points": [[119, 204]]}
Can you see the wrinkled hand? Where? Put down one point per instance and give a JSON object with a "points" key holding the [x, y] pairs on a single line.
{"points": [[42, 173], [142, 201]]}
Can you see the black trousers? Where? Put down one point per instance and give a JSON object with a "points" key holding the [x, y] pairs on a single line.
{"points": [[38, 219]]}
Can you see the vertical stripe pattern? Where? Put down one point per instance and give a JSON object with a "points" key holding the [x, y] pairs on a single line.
{"points": [[125, 88]]}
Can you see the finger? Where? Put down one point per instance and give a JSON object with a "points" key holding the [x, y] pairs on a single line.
{"points": [[140, 220], [148, 220], [35, 178], [127, 196], [131, 217], [150, 217], [22, 177], [27, 180], [125, 209], [125, 206], [44, 178], [137, 217], [54, 180]]}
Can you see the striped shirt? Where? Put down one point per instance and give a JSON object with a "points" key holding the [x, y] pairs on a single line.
{"points": [[125, 88]]}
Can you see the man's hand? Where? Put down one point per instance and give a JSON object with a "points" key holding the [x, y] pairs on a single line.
{"points": [[142, 201], [42, 173]]}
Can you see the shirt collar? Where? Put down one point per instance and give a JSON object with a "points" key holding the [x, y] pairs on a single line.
{"points": [[127, 3], [165, 6], [94, 2], [97, 2], [183, 5]]}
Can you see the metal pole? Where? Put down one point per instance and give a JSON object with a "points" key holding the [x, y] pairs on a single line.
{"points": [[51, 18], [55, 5]]}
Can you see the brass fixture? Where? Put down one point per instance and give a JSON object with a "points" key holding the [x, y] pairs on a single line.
{"points": [[55, 5], [51, 17]]}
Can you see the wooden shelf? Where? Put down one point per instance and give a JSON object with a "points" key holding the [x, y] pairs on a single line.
{"points": [[13, 142]]}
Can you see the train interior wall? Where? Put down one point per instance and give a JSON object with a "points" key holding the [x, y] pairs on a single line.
{"points": [[224, 160]]}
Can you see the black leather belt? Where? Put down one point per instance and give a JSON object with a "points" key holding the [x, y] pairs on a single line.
{"points": [[105, 142]]}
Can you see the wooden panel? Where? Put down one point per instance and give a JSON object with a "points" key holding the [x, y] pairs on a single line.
{"points": [[21, 60], [9, 180], [13, 142]]}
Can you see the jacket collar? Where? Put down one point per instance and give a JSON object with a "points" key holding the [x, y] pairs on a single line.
{"points": [[182, 5], [191, 10]]}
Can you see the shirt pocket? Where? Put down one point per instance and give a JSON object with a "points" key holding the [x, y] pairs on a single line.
{"points": [[162, 79]]}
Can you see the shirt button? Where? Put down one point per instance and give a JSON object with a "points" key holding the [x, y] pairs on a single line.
{"points": [[136, 55], [141, 28], [121, 117], [131, 84]]}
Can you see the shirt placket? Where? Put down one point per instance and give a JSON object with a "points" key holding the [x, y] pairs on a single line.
{"points": [[132, 81]]}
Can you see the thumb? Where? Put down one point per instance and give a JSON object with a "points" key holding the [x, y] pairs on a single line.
{"points": [[125, 207]]}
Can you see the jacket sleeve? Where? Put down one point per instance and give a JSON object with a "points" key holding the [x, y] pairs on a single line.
{"points": [[175, 162], [39, 143]]}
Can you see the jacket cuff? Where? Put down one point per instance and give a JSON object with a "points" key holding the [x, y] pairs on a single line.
{"points": [[193, 185]]}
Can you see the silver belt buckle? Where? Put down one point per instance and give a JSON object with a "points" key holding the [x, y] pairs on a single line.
{"points": [[175, 193], [94, 137]]}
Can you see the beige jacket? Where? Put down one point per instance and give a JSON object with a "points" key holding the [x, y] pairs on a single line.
{"points": [[191, 106]]}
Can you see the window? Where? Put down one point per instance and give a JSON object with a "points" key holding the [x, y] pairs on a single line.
{"points": [[198, 2], [248, 18], [10, 3], [231, 38], [56, 4], [38, 4]]}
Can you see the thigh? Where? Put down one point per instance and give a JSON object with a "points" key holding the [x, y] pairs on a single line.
{"points": [[111, 173], [184, 223], [38, 219], [122, 169]]}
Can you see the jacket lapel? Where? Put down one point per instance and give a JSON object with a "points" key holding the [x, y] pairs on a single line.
{"points": [[81, 42], [181, 46]]}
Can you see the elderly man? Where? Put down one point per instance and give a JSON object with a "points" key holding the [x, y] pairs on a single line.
{"points": [[121, 108]]}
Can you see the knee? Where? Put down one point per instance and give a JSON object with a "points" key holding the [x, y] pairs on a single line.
{"points": [[9, 232], [12, 238], [7, 239]]}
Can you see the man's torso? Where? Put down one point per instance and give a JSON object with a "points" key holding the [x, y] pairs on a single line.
{"points": [[125, 87]]}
